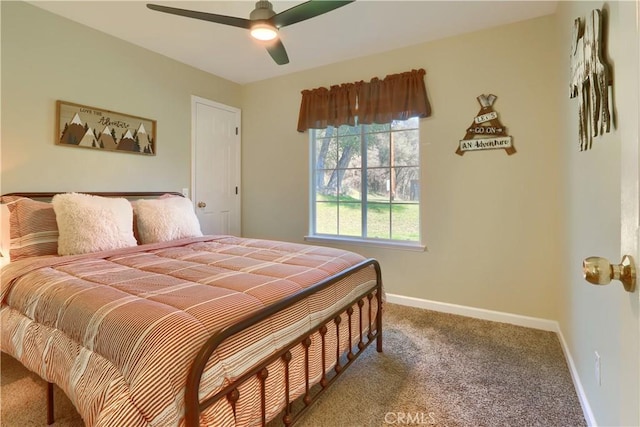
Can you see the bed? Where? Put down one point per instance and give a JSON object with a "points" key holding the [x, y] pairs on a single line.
{"points": [[177, 328]]}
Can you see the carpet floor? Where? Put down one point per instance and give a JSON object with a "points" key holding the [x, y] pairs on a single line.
{"points": [[436, 369]]}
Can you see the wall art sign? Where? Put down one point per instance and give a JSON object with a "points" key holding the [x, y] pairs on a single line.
{"points": [[486, 132], [590, 79], [95, 128]]}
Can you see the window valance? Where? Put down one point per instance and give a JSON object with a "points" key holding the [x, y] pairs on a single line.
{"points": [[396, 97]]}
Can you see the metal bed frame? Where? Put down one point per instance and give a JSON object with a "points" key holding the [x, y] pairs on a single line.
{"points": [[329, 325]]}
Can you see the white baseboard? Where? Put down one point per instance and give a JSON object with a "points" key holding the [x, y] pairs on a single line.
{"points": [[477, 313], [586, 408], [513, 319]]}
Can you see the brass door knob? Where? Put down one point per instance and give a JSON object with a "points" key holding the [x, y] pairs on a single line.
{"points": [[202, 205], [599, 271]]}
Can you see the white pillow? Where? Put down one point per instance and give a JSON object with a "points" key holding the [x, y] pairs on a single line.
{"points": [[89, 223], [161, 220]]}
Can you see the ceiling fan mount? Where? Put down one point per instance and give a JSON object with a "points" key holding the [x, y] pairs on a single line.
{"points": [[263, 21], [263, 10]]}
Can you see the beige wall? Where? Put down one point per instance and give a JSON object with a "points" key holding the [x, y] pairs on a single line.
{"points": [[602, 319], [46, 58], [490, 220]]}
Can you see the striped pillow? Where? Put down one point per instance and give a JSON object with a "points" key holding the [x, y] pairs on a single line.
{"points": [[32, 228]]}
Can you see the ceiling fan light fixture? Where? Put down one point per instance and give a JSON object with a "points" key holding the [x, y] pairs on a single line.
{"points": [[264, 32]]}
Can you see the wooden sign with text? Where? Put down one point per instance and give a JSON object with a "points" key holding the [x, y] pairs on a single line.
{"points": [[486, 132]]}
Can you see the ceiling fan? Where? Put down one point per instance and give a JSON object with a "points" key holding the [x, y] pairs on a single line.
{"points": [[263, 22]]}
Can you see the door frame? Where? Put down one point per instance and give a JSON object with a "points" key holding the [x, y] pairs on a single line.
{"points": [[238, 114]]}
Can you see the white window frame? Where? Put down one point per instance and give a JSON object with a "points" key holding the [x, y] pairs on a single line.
{"points": [[359, 241]]}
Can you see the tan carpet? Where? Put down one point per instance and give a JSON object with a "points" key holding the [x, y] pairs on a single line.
{"points": [[437, 369]]}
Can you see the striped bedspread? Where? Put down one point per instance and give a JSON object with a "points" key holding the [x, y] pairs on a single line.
{"points": [[118, 330]]}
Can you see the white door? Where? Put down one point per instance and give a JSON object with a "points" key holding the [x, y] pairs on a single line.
{"points": [[630, 225], [620, 310], [215, 179]]}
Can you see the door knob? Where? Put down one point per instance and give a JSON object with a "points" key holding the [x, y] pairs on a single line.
{"points": [[202, 205], [600, 271]]}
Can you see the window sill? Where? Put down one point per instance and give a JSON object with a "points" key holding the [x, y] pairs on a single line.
{"points": [[390, 244]]}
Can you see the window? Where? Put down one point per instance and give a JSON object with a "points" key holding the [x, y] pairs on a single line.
{"points": [[365, 182]]}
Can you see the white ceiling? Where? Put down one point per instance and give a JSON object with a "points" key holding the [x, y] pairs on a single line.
{"points": [[361, 28]]}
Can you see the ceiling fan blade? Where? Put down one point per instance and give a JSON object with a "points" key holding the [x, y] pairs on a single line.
{"points": [[306, 11], [211, 17], [278, 52]]}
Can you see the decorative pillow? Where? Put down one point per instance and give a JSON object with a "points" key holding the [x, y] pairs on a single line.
{"points": [[164, 219], [33, 230], [92, 223], [136, 233]]}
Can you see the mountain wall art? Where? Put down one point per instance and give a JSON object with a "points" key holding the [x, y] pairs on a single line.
{"points": [[95, 128]]}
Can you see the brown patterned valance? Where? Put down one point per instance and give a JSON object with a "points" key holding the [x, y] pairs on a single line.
{"points": [[396, 97]]}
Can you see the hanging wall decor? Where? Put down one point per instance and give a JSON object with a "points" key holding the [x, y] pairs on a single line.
{"points": [[590, 79], [90, 127], [486, 132]]}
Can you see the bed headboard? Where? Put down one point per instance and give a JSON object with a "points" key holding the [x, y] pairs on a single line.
{"points": [[125, 194]]}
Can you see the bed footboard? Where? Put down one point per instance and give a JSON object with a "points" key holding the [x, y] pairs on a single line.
{"points": [[368, 328]]}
